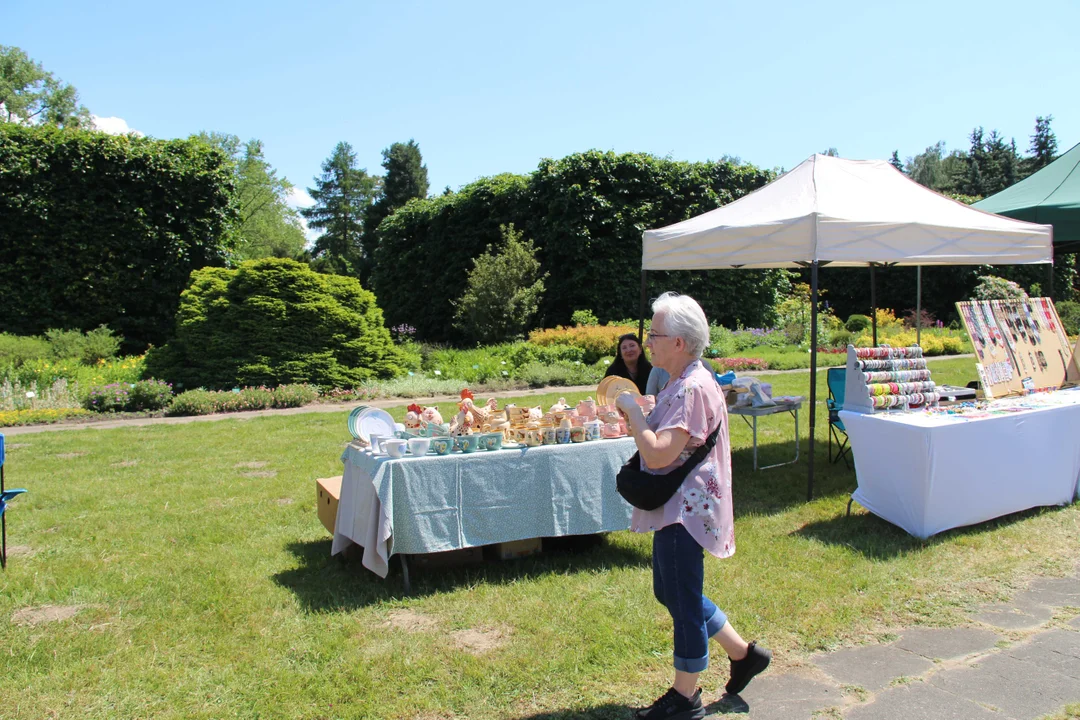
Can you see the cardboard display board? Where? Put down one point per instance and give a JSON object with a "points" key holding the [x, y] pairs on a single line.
{"points": [[1020, 344]]}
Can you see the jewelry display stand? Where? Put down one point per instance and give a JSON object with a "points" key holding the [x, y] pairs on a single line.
{"points": [[885, 378], [1020, 344], [1073, 375]]}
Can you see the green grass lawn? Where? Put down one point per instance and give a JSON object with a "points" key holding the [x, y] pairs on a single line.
{"points": [[203, 587]]}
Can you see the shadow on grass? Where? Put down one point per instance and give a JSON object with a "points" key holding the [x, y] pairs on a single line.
{"points": [[877, 539], [325, 583], [776, 490], [726, 704], [600, 712]]}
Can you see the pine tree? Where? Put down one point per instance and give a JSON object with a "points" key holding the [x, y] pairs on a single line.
{"points": [[1043, 147], [976, 162], [895, 161], [343, 196], [406, 178]]}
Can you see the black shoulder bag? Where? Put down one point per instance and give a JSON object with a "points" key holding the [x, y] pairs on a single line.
{"points": [[647, 491]]}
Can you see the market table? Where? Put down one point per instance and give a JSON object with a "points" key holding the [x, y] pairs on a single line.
{"points": [[929, 473], [791, 407], [435, 503]]}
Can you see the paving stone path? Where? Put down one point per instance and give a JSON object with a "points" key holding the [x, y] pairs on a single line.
{"points": [[1017, 660]]}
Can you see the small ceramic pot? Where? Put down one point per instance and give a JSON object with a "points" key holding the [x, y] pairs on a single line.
{"points": [[562, 435], [593, 430], [577, 434], [549, 436]]}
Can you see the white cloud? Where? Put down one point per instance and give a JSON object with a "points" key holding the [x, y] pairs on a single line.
{"points": [[299, 198], [114, 126]]}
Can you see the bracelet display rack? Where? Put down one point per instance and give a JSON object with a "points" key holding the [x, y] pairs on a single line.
{"points": [[884, 378]]}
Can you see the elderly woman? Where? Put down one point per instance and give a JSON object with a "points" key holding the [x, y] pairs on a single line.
{"points": [[630, 362], [699, 515]]}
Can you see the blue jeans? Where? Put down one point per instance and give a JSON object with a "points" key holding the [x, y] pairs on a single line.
{"points": [[678, 579]]}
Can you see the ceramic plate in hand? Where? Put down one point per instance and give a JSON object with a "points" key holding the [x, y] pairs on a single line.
{"points": [[616, 387]]}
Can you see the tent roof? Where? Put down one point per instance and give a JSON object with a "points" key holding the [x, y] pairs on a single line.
{"points": [[1052, 196], [849, 213]]}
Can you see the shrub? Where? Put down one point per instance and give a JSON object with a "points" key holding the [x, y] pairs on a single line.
{"points": [[991, 287], [858, 323], [928, 319], [583, 317], [295, 395], [273, 322], [88, 348], [1069, 312], [595, 341], [113, 397], [149, 395], [193, 402], [16, 350], [952, 345], [885, 318], [841, 339]]}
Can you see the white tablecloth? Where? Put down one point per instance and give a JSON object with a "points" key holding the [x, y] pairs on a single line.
{"points": [[928, 473], [436, 503]]}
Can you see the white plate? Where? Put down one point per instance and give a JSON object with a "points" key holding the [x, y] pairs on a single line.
{"points": [[371, 421]]}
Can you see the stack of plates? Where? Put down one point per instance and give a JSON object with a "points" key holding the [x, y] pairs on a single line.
{"points": [[612, 387], [365, 421]]}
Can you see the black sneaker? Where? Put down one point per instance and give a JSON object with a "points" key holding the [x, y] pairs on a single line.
{"points": [[673, 705], [742, 671]]}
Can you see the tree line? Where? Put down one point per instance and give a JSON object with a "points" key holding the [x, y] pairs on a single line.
{"points": [[585, 213]]}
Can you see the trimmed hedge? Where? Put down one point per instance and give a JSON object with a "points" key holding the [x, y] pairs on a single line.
{"points": [[103, 229]]}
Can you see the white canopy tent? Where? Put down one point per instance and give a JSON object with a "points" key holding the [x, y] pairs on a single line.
{"points": [[843, 213]]}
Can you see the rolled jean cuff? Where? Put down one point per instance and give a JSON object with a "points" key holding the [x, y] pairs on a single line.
{"points": [[692, 665], [716, 623]]}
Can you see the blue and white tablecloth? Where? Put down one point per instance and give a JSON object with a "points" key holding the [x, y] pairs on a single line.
{"points": [[435, 503]]}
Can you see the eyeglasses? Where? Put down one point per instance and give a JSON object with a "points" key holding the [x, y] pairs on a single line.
{"points": [[655, 335]]}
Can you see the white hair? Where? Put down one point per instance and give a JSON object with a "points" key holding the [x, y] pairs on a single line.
{"points": [[685, 319]]}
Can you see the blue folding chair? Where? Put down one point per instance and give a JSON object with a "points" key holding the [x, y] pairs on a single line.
{"points": [[5, 495], [837, 379]]}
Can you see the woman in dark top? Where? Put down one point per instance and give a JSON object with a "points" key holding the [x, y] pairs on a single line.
{"points": [[630, 362]]}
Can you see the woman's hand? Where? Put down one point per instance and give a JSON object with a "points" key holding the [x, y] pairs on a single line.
{"points": [[626, 403]]}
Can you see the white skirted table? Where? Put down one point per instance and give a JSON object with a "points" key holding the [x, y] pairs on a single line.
{"points": [[436, 503], [929, 473]]}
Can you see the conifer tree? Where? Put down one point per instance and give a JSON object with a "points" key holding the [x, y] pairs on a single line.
{"points": [[343, 196]]}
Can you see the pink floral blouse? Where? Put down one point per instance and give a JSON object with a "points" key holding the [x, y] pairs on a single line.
{"points": [[694, 403]]}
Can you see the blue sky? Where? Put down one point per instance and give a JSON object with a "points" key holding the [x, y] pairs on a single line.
{"points": [[490, 87]]}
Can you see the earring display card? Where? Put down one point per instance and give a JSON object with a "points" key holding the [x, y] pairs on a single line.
{"points": [[1020, 344]]}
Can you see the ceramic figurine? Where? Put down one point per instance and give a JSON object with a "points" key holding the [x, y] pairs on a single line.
{"points": [[412, 417]]}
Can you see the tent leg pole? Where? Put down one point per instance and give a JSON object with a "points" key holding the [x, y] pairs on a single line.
{"points": [[813, 373], [1050, 279], [873, 307], [641, 310], [918, 305]]}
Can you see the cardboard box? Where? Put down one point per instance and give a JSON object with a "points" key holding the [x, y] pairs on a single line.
{"points": [[518, 548], [327, 492]]}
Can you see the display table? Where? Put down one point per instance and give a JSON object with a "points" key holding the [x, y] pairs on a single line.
{"points": [[929, 473], [435, 503], [755, 412]]}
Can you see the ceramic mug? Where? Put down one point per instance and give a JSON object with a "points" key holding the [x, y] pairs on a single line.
{"points": [[533, 438], [577, 434], [375, 440], [562, 435], [419, 446], [492, 441], [469, 443], [442, 445], [548, 436], [394, 448], [593, 430]]}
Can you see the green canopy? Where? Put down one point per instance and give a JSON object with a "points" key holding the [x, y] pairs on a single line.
{"points": [[1050, 197]]}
